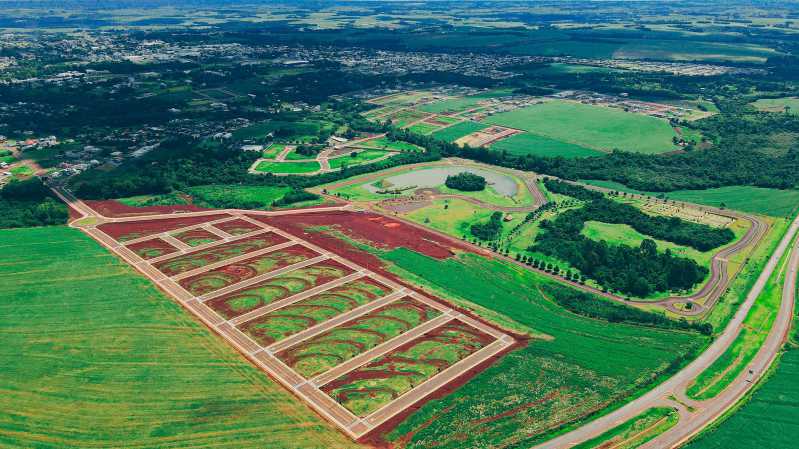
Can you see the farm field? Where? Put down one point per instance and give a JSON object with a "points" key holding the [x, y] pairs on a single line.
{"points": [[593, 127], [769, 419], [458, 130], [362, 157], [288, 168], [150, 387], [460, 104], [383, 143], [787, 104], [685, 50], [757, 200], [423, 128], [529, 375], [636, 431], [535, 145]]}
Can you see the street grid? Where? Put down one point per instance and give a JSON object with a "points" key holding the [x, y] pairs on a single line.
{"points": [[265, 357]]}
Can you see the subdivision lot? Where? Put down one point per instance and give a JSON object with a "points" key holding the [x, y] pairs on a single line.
{"points": [[316, 322]]}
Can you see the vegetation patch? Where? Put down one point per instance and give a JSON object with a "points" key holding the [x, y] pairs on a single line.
{"points": [[635, 432], [466, 182], [288, 168], [533, 144]]}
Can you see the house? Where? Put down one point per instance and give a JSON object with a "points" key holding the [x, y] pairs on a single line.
{"points": [[257, 148]]}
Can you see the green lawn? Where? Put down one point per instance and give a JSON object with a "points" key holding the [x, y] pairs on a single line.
{"points": [[455, 132], [536, 145], [778, 105], [769, 420], [362, 157], [758, 200], [384, 143], [594, 127], [579, 366], [288, 167], [273, 150], [94, 356], [22, 171]]}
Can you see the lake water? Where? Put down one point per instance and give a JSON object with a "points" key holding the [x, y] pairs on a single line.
{"points": [[434, 177]]}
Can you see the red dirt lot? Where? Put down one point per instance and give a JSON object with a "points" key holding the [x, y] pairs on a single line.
{"points": [[134, 229], [115, 209], [196, 237], [237, 227], [373, 229], [149, 249]]}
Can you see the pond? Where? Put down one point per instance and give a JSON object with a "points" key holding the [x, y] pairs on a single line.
{"points": [[434, 177]]}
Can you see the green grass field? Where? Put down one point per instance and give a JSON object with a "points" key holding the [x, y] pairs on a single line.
{"points": [[593, 127], [758, 200], [94, 356], [383, 143], [769, 420], [423, 128], [525, 143], [635, 432], [288, 168], [455, 132], [363, 157], [462, 103], [576, 366], [791, 104], [215, 194]]}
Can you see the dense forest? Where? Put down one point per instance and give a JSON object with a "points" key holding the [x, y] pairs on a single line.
{"points": [[466, 182], [30, 203]]}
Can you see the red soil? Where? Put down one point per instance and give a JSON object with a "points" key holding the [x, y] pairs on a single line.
{"points": [[130, 230], [115, 209], [203, 257], [156, 247], [237, 227], [241, 271], [373, 229], [194, 235], [222, 303]]}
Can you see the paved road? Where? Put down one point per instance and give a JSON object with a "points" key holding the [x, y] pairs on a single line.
{"points": [[707, 411]]}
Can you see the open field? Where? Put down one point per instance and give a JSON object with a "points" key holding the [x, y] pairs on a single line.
{"points": [[383, 143], [635, 432], [362, 157], [787, 104], [459, 130], [770, 418], [758, 200], [536, 145], [460, 104], [593, 127], [288, 168], [114, 363], [203, 257]]}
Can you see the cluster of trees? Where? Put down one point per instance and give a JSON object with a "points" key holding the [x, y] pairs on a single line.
{"points": [[295, 196], [593, 307], [599, 208], [29, 203], [491, 229], [465, 181], [635, 271]]}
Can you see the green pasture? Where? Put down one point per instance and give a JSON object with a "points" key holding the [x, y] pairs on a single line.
{"points": [[383, 143], [423, 128], [460, 104], [237, 196], [575, 366], [94, 355], [362, 157], [288, 168], [757, 200], [787, 104], [536, 145], [458, 130], [595, 127]]}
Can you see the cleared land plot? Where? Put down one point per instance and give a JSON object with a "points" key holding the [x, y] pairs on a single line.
{"points": [[288, 168], [115, 363], [384, 143], [362, 157], [234, 273], [237, 227], [423, 128], [370, 387], [593, 127], [455, 105], [406, 117], [273, 150], [277, 288], [126, 231], [152, 248], [459, 130], [304, 314], [787, 104], [535, 145], [329, 349], [196, 237], [203, 257], [401, 98], [758, 200], [769, 420]]}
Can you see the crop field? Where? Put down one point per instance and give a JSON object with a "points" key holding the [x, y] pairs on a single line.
{"points": [[149, 249], [636, 431], [362, 157], [423, 128], [757, 200], [368, 388], [383, 143], [277, 288], [455, 105], [325, 351], [147, 384], [458, 130], [196, 237], [770, 418], [406, 117], [291, 319], [536, 145], [320, 315], [557, 379], [689, 50], [288, 168], [594, 127], [203, 257], [218, 278]]}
